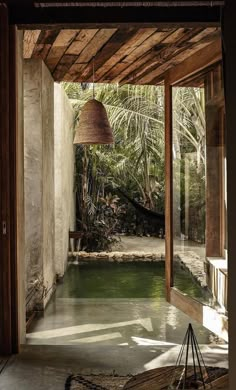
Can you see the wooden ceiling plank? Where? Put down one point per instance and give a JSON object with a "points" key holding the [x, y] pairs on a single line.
{"points": [[30, 39], [41, 51], [203, 34], [95, 45], [74, 71], [130, 71], [209, 55], [63, 67], [90, 51], [162, 59], [47, 36], [159, 56], [153, 76], [141, 35], [61, 43], [81, 41], [112, 46], [176, 35], [148, 44]]}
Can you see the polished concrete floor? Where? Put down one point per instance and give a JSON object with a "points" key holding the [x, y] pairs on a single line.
{"points": [[102, 336]]}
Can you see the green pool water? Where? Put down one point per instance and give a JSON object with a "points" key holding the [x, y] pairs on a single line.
{"points": [[124, 280]]}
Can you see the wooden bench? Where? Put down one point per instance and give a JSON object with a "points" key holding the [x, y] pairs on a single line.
{"points": [[75, 237]]}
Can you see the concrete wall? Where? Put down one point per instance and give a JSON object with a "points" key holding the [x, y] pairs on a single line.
{"points": [[64, 176], [39, 174], [49, 177]]}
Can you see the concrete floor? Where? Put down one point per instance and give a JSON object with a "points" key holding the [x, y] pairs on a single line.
{"points": [[154, 244], [102, 336], [86, 336]]}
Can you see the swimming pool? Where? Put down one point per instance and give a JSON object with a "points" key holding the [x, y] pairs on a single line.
{"points": [[124, 280]]}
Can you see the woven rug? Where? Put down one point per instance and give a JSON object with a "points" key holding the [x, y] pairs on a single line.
{"points": [[96, 382]]}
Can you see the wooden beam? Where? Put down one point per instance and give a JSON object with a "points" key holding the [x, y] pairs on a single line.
{"points": [[13, 135], [82, 17], [160, 56], [137, 51], [59, 46], [112, 46], [5, 227], [135, 41], [215, 153], [168, 191], [174, 55], [188, 305], [84, 56], [229, 66], [209, 317], [203, 58], [30, 40]]}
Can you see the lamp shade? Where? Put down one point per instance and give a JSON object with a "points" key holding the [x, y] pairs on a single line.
{"points": [[93, 127]]}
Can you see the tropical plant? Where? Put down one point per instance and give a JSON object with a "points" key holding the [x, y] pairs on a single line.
{"points": [[136, 162]]}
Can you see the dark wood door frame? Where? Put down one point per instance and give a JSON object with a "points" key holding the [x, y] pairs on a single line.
{"points": [[9, 328], [9, 342], [5, 171]]}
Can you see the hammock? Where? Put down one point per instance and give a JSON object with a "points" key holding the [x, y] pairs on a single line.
{"points": [[150, 214]]}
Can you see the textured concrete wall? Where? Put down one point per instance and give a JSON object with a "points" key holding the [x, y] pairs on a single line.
{"points": [[39, 173], [64, 176], [48, 179]]}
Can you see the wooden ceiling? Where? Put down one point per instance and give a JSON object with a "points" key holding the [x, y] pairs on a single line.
{"points": [[125, 55]]}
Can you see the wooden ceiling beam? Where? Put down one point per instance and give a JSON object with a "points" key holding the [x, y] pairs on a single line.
{"points": [[128, 46], [59, 46], [30, 39], [87, 51], [26, 15], [175, 59], [135, 53], [171, 44], [112, 47], [200, 60]]}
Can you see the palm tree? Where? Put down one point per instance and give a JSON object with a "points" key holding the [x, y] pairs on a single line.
{"points": [[136, 162]]}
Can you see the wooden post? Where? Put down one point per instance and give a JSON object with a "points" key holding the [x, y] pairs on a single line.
{"points": [[13, 127], [168, 190], [215, 229], [5, 228]]}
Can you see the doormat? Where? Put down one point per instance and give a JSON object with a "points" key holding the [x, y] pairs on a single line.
{"points": [[96, 382]]}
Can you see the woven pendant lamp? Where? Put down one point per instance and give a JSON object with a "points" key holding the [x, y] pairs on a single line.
{"points": [[93, 127]]}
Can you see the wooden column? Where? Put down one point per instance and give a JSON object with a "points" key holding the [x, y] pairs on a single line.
{"points": [[8, 188], [168, 190], [229, 32], [5, 228], [14, 169], [215, 229]]}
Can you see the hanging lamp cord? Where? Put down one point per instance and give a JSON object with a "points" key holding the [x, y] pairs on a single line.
{"points": [[93, 79]]}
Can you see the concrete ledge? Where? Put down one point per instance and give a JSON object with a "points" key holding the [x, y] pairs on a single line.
{"points": [[118, 256]]}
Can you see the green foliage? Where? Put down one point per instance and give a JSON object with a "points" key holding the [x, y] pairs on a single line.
{"points": [[135, 163]]}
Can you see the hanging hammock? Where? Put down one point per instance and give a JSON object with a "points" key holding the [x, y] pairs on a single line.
{"points": [[150, 214]]}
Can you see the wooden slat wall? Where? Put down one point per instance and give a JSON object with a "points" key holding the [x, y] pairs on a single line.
{"points": [[125, 55]]}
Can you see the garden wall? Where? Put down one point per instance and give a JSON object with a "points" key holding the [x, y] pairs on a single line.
{"points": [[39, 178], [49, 171], [64, 176]]}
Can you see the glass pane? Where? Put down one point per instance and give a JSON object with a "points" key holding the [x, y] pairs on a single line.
{"points": [[189, 184], [199, 208]]}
